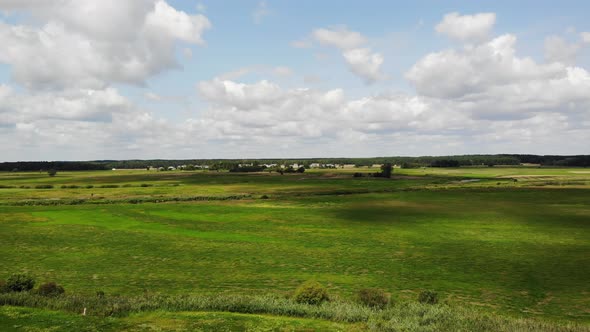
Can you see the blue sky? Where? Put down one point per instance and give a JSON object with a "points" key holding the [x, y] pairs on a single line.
{"points": [[242, 79]]}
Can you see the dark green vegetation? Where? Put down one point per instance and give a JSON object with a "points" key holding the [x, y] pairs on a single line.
{"points": [[232, 164], [492, 241]]}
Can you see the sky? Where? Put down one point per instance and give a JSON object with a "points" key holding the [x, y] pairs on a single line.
{"points": [[180, 79]]}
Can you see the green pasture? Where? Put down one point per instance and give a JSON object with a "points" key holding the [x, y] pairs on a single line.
{"points": [[511, 247]]}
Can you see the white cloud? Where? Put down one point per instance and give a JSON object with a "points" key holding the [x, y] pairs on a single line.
{"points": [[490, 82], [153, 96], [73, 104], [365, 64], [453, 74], [282, 71], [476, 98], [585, 36], [559, 50], [239, 95], [74, 46], [474, 28], [187, 52], [260, 12], [339, 37], [176, 24], [362, 61]]}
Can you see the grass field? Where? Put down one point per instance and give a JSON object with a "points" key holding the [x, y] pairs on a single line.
{"points": [[510, 241]]}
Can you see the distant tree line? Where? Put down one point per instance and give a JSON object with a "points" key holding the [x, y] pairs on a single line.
{"points": [[45, 166], [258, 164]]}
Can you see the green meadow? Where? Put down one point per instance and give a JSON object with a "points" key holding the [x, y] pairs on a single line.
{"points": [[511, 242]]}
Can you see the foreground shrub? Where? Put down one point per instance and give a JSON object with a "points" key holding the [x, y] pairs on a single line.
{"points": [[373, 297], [20, 283], [3, 288], [428, 297], [50, 289], [44, 186], [311, 292]]}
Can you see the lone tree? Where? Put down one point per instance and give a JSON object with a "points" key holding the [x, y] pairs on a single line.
{"points": [[386, 170], [52, 172]]}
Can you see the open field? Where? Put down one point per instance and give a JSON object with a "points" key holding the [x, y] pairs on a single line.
{"points": [[511, 241]]}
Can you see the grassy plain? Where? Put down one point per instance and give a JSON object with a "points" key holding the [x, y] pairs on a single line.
{"points": [[513, 241]]}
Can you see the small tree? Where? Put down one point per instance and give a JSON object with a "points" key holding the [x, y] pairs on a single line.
{"points": [[386, 170], [52, 172], [20, 283], [301, 169]]}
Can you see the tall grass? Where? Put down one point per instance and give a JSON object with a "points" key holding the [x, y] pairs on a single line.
{"points": [[403, 316]]}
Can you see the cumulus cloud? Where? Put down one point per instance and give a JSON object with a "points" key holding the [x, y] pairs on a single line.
{"points": [[339, 37], [474, 28], [364, 63], [73, 104], [74, 47], [479, 97], [491, 82], [361, 61], [264, 109], [559, 50], [585, 36], [457, 73]]}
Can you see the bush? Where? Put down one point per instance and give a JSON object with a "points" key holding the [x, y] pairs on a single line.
{"points": [[89, 186], [144, 185], [373, 297], [3, 288], [428, 297], [264, 197], [50, 289], [20, 283], [44, 186], [100, 294], [311, 292]]}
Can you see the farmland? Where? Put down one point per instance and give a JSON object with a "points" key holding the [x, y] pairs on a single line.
{"points": [[513, 242]]}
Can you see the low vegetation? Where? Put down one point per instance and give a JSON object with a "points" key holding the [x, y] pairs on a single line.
{"points": [[374, 297], [500, 254], [405, 316], [428, 297], [311, 292]]}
